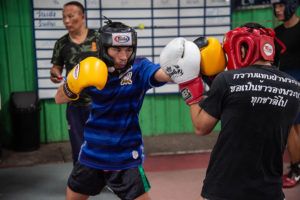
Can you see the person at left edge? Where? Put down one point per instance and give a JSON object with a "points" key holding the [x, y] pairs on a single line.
{"points": [[112, 153], [69, 50]]}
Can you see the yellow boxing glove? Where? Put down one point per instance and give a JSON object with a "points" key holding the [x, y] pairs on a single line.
{"points": [[89, 72], [212, 56]]}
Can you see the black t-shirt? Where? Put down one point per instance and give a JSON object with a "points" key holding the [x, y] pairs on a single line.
{"points": [[257, 106], [291, 38]]}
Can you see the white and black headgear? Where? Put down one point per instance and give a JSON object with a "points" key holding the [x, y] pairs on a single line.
{"points": [[290, 7], [116, 34]]}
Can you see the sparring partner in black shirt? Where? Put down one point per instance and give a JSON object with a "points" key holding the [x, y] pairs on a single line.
{"points": [[256, 105]]}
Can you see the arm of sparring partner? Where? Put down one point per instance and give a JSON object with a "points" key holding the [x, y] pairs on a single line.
{"points": [[89, 72], [203, 122], [55, 74], [212, 63], [180, 59]]}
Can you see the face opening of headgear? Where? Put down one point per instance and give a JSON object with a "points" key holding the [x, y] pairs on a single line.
{"points": [[290, 7], [116, 34], [247, 44]]}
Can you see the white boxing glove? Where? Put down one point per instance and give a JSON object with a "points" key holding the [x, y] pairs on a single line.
{"points": [[180, 59]]}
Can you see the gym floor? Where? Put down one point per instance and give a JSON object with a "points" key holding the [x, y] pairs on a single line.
{"points": [[175, 166]]}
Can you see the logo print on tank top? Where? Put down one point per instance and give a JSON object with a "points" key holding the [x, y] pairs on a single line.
{"points": [[126, 80]]}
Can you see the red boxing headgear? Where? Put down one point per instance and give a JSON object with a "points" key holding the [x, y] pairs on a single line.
{"points": [[259, 44]]}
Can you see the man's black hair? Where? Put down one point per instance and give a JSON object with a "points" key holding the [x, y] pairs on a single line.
{"points": [[253, 25], [75, 3]]}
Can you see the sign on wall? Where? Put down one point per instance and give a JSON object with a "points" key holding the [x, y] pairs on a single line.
{"points": [[156, 21]]}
